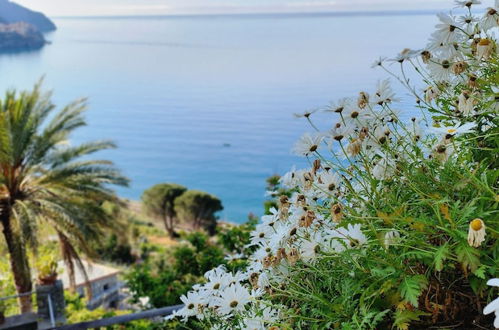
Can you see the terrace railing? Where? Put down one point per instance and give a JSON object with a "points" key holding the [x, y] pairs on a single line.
{"points": [[122, 319]]}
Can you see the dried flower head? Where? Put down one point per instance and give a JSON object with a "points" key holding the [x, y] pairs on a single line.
{"points": [[476, 232]]}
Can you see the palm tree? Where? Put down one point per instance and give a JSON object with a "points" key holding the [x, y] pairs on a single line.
{"points": [[46, 181]]}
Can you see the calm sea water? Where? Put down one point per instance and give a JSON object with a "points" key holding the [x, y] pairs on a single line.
{"points": [[208, 102]]}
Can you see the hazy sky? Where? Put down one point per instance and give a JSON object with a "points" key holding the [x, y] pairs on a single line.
{"points": [[163, 7]]}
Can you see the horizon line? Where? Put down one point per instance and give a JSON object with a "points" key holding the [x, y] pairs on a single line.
{"points": [[254, 14]]}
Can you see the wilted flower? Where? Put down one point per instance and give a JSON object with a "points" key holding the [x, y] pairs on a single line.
{"points": [[363, 100], [484, 49], [443, 151], [337, 212], [476, 233], [466, 103], [391, 237], [431, 93]]}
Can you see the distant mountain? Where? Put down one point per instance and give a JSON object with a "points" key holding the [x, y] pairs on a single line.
{"points": [[20, 36], [11, 12]]}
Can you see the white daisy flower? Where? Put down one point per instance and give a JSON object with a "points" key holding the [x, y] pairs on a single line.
{"points": [[328, 183], [431, 93], [354, 116], [468, 23], [290, 179], [405, 55], [378, 62], [450, 131], [353, 235], [380, 134], [262, 252], [340, 105], [441, 70], [261, 234], [310, 247], [264, 279], [466, 104], [144, 301], [466, 3], [384, 168], [384, 93], [447, 30], [308, 144], [443, 151], [233, 298], [493, 306], [194, 304], [341, 131], [235, 256], [491, 18]]}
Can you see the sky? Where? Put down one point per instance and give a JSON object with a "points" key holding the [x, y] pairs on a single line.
{"points": [[171, 7]]}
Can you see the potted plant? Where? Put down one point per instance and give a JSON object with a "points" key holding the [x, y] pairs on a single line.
{"points": [[47, 270]]}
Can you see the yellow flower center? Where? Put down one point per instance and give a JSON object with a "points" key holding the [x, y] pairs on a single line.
{"points": [[476, 224], [451, 130], [484, 42]]}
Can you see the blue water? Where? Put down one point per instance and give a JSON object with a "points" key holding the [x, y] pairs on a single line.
{"points": [[173, 91]]}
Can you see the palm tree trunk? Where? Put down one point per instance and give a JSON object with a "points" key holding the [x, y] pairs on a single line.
{"points": [[19, 263], [71, 259], [68, 260]]}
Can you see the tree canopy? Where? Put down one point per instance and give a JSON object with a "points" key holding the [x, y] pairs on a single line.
{"points": [[45, 180], [198, 207], [159, 201]]}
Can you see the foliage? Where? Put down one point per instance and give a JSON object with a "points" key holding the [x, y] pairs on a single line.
{"points": [[394, 225], [76, 312], [198, 207], [46, 266], [45, 181], [274, 191], [235, 238], [159, 201], [164, 280], [115, 249]]}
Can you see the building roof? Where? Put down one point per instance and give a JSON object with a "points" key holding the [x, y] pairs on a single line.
{"points": [[95, 272]]}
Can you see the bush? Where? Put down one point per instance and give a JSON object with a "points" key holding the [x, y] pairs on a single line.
{"points": [[394, 225]]}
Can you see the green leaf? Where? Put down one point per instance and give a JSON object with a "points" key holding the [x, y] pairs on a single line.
{"points": [[468, 256], [411, 288], [403, 318], [480, 272], [440, 256]]}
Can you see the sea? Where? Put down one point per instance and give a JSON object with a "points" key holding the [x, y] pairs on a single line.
{"points": [[208, 101]]}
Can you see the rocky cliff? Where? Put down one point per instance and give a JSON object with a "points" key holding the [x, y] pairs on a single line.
{"points": [[11, 12], [20, 36]]}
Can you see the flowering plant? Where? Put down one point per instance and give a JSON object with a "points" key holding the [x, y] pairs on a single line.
{"points": [[394, 225]]}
